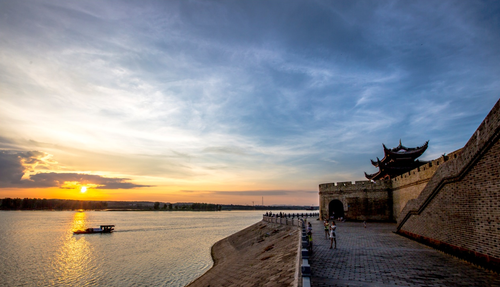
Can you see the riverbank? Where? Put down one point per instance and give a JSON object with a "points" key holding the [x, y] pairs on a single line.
{"points": [[264, 254]]}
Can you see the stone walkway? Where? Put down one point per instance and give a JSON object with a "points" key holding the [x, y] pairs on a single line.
{"points": [[375, 256]]}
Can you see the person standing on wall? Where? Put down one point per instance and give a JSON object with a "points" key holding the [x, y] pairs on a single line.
{"points": [[309, 238], [310, 242], [333, 235], [326, 226]]}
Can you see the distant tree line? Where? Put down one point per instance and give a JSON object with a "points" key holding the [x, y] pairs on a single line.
{"points": [[206, 207], [65, 204], [192, 206], [49, 204]]}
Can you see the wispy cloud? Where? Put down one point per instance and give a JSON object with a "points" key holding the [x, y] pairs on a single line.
{"points": [[227, 150]]}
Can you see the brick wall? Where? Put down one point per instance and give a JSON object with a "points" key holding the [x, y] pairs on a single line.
{"points": [[409, 185], [459, 209]]}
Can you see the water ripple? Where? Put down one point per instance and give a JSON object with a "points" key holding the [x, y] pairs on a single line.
{"points": [[147, 249]]}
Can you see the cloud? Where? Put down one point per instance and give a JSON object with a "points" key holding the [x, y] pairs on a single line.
{"points": [[11, 169], [14, 165], [59, 179], [225, 150]]}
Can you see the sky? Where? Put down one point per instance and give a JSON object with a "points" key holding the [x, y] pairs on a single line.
{"points": [[233, 102]]}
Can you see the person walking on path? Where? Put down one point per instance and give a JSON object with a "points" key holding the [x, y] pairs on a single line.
{"points": [[333, 235], [326, 226]]}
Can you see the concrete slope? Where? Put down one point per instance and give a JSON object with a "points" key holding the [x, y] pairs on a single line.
{"points": [[263, 254]]}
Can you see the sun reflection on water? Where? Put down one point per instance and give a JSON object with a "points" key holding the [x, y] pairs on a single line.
{"points": [[74, 259], [79, 221]]}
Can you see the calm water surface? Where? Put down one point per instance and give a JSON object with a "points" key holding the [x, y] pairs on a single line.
{"points": [[146, 249]]}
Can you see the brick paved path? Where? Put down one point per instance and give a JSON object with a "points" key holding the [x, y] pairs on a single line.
{"points": [[375, 256]]}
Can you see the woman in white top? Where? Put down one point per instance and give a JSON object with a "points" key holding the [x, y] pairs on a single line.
{"points": [[333, 237]]}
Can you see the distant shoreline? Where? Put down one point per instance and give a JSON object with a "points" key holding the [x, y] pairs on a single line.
{"points": [[78, 205], [141, 210]]}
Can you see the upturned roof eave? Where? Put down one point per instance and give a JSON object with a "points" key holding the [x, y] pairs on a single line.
{"points": [[394, 153]]}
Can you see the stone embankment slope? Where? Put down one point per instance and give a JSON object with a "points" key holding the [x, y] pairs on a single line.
{"points": [[263, 254]]}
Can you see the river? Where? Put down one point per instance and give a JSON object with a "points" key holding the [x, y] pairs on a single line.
{"points": [[148, 248]]}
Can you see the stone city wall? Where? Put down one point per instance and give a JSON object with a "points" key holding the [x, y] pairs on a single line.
{"points": [[366, 200], [458, 211], [361, 200]]}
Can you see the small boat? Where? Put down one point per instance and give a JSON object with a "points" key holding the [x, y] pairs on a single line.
{"points": [[101, 229]]}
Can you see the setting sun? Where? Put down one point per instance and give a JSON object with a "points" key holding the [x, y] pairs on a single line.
{"points": [[83, 189]]}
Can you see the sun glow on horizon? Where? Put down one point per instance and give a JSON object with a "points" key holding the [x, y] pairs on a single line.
{"points": [[83, 189]]}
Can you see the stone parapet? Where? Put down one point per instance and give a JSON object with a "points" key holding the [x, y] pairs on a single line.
{"points": [[349, 185], [424, 172]]}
